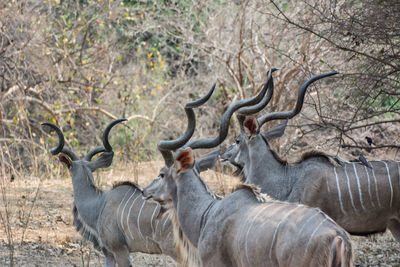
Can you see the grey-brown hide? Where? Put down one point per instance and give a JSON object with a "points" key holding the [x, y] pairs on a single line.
{"points": [[239, 230], [118, 221], [361, 199]]}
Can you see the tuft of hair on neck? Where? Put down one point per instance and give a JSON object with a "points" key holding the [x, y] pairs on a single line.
{"points": [[127, 183], [315, 154], [256, 191], [188, 254], [85, 231]]}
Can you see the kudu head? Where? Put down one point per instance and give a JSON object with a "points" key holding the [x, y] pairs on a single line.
{"points": [[163, 187], [84, 167], [238, 153]]}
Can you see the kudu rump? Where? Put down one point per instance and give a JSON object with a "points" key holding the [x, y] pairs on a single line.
{"points": [[240, 230], [119, 221], [361, 199]]}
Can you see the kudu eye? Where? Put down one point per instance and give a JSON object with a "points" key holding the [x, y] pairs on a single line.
{"points": [[237, 141], [161, 175]]}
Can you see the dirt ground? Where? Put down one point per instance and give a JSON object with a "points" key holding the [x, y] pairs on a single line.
{"points": [[40, 217]]}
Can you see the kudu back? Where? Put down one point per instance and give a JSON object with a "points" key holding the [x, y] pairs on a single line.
{"points": [[363, 198], [242, 229]]}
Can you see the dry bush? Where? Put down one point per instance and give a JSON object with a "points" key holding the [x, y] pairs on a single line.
{"points": [[364, 38], [81, 64]]}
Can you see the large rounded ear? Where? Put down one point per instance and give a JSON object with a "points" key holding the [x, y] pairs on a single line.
{"points": [[207, 161], [275, 132], [184, 161], [65, 160], [250, 127]]}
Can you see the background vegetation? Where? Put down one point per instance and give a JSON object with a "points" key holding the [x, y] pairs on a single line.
{"points": [[80, 64]]}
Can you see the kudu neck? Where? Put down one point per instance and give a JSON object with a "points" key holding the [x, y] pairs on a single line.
{"points": [[87, 197], [265, 169], [191, 202]]}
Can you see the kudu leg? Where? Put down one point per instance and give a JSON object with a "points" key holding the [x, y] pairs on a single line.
{"points": [[110, 260], [394, 227], [122, 257]]}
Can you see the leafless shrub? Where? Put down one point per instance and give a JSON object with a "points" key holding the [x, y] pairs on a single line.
{"points": [[364, 39]]}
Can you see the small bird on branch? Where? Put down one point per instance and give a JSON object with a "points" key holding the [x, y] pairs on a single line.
{"points": [[369, 140]]}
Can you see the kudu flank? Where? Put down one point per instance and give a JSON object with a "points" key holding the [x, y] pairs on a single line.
{"points": [[227, 232], [363, 198]]}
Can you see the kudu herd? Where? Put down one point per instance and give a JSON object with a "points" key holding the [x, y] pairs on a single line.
{"points": [[243, 229], [178, 215], [362, 197]]}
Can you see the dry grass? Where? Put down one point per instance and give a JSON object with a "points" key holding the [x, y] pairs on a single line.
{"points": [[50, 238]]}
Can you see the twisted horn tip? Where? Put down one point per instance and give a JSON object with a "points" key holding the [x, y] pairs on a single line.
{"points": [[56, 150], [201, 101], [104, 137]]}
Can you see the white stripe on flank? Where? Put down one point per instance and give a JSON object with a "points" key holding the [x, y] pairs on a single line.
{"points": [[123, 210], [307, 221], [248, 230], [376, 187], [349, 188], [166, 219], [390, 182], [238, 245], [398, 166], [339, 193], [158, 221], [276, 230], [359, 186], [369, 186], [312, 235], [151, 220], [129, 214], [138, 218], [327, 184], [119, 206]]}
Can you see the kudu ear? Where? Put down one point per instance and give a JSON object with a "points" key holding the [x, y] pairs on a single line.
{"points": [[103, 161], [184, 161], [250, 127], [207, 161], [275, 132], [65, 160]]}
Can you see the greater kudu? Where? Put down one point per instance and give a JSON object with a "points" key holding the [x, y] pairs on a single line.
{"points": [[241, 230], [118, 221], [363, 198]]}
